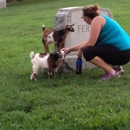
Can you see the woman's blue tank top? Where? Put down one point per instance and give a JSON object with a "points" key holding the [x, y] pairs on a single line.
{"points": [[113, 34]]}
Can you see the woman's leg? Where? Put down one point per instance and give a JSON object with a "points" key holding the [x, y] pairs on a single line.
{"points": [[110, 72], [102, 64], [102, 55]]}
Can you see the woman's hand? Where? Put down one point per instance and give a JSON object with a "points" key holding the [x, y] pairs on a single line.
{"points": [[66, 50]]}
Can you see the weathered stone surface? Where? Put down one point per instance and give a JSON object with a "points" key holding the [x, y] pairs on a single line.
{"points": [[69, 65]]}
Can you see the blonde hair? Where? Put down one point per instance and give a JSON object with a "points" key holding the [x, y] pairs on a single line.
{"points": [[91, 11]]}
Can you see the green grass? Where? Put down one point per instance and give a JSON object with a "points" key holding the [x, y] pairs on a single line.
{"points": [[65, 102]]}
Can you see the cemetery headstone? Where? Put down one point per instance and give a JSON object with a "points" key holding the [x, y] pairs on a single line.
{"points": [[2, 4]]}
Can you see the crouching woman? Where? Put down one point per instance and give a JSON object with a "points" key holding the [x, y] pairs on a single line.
{"points": [[108, 43]]}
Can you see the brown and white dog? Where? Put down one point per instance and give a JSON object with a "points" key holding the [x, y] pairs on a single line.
{"points": [[50, 61]]}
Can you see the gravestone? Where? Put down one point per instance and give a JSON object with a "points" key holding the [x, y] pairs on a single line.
{"points": [[2, 4], [73, 15]]}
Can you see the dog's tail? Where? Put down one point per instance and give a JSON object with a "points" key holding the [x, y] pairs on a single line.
{"points": [[32, 54]]}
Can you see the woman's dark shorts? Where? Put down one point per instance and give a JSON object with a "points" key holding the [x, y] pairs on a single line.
{"points": [[108, 53]]}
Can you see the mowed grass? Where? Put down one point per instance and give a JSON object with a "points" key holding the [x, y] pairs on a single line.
{"points": [[64, 102]]}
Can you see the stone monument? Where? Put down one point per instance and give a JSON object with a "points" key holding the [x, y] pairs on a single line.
{"points": [[2, 4], [72, 15]]}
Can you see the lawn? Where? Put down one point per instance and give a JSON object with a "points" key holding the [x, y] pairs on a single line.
{"points": [[64, 102]]}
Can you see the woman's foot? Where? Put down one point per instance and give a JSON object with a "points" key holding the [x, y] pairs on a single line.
{"points": [[108, 76]]}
